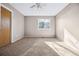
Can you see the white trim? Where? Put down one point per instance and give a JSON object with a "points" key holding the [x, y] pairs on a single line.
{"points": [[6, 8]]}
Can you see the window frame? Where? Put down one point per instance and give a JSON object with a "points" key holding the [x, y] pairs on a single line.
{"points": [[42, 20]]}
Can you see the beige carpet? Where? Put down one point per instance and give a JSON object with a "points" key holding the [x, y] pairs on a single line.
{"points": [[29, 47], [40, 49]]}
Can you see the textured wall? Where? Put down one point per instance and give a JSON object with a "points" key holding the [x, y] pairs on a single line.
{"points": [[31, 27], [68, 19]]}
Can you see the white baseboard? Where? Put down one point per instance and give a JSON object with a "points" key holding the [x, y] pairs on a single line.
{"points": [[14, 40]]}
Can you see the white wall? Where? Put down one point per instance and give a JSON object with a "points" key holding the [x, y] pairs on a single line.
{"points": [[17, 23], [68, 19], [31, 27]]}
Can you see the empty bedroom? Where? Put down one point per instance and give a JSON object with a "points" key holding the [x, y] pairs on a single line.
{"points": [[39, 29]]}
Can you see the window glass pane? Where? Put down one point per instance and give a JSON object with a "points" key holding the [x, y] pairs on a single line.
{"points": [[46, 25], [43, 23]]}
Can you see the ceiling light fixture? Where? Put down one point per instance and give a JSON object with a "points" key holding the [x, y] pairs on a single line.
{"points": [[36, 5]]}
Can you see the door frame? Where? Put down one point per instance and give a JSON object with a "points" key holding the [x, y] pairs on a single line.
{"points": [[10, 20]]}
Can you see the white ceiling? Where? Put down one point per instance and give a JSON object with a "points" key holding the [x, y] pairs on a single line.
{"points": [[48, 9]]}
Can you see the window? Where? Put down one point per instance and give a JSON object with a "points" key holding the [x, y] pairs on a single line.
{"points": [[43, 23]]}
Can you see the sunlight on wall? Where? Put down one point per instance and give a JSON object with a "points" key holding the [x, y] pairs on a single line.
{"points": [[60, 50], [70, 40], [68, 47]]}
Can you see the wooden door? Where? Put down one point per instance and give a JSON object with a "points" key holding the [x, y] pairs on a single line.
{"points": [[5, 31]]}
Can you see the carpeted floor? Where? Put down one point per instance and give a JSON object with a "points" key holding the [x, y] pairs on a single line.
{"points": [[39, 47], [29, 47]]}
